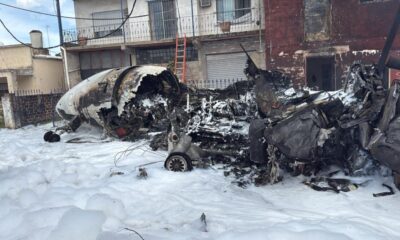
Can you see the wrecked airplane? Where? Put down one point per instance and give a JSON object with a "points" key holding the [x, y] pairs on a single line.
{"points": [[262, 124]]}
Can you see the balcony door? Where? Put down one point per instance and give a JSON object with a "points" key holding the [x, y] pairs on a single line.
{"points": [[162, 19]]}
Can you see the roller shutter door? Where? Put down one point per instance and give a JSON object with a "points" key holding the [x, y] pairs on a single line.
{"points": [[223, 69]]}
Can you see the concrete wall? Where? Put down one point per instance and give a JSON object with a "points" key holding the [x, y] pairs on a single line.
{"points": [[26, 71], [20, 111], [357, 32], [8, 111], [72, 72], [15, 57], [48, 74]]}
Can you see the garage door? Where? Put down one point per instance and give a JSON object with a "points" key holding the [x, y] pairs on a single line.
{"points": [[224, 69]]}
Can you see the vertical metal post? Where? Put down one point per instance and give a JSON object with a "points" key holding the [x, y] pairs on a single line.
{"points": [[60, 29], [123, 19], [191, 2], [259, 25]]}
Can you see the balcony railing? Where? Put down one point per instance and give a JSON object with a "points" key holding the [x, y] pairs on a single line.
{"points": [[221, 23]]}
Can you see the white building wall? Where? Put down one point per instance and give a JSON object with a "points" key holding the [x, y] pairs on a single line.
{"points": [[138, 28]]}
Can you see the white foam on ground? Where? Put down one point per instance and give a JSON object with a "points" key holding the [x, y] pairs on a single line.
{"points": [[64, 191]]}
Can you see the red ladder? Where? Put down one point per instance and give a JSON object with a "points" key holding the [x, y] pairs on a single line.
{"points": [[180, 58]]}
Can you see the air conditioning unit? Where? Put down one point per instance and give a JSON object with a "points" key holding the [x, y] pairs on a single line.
{"points": [[205, 3]]}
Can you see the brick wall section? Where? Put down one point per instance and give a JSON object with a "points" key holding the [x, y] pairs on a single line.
{"points": [[354, 27], [34, 109]]}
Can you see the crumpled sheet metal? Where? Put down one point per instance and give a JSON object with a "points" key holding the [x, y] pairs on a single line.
{"points": [[354, 125], [103, 98]]}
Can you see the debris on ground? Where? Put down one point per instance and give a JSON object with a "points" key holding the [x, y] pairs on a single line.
{"points": [[260, 128]]}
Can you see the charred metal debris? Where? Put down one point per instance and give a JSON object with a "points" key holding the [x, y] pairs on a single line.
{"points": [[259, 129]]}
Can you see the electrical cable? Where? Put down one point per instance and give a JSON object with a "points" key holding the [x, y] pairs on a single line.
{"points": [[69, 17], [59, 45]]}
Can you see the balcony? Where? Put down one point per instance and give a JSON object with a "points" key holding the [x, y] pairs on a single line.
{"points": [[136, 31]]}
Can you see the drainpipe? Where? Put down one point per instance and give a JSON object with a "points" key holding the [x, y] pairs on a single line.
{"points": [[191, 4], [66, 67]]}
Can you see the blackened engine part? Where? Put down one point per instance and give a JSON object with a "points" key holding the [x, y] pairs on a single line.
{"points": [[385, 147], [364, 134], [385, 142], [297, 136], [390, 108], [258, 144]]}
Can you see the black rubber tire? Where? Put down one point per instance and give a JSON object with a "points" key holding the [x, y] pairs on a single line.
{"points": [[47, 136], [187, 166], [55, 138], [50, 136]]}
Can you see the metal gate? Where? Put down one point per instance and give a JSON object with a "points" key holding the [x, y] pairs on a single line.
{"points": [[225, 69]]}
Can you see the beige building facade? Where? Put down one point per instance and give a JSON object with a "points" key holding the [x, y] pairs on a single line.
{"points": [[25, 69]]}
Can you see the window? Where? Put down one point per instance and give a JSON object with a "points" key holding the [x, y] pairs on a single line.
{"points": [[163, 19], [317, 19], [105, 27], [228, 10]]}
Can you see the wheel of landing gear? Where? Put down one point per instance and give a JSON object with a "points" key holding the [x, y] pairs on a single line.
{"points": [[178, 162]]}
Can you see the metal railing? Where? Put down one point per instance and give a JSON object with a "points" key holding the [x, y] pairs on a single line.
{"points": [[33, 92], [214, 83], [219, 23]]}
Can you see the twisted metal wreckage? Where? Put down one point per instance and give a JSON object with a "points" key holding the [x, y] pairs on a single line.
{"points": [[257, 128]]}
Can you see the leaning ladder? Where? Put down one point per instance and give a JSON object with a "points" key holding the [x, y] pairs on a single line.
{"points": [[180, 58]]}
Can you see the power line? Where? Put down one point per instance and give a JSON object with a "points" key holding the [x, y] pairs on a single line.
{"points": [[59, 45], [68, 17]]}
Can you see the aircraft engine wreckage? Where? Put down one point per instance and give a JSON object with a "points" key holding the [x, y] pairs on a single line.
{"points": [[257, 128]]}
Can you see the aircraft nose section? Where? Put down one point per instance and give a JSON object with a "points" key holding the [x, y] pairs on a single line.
{"points": [[66, 108]]}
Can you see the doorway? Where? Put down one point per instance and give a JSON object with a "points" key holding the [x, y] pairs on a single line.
{"points": [[321, 72]]}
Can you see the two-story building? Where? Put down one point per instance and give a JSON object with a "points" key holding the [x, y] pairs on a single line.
{"points": [[213, 29], [25, 69], [29, 77]]}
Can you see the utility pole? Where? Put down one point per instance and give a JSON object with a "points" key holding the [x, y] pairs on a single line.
{"points": [[60, 29]]}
